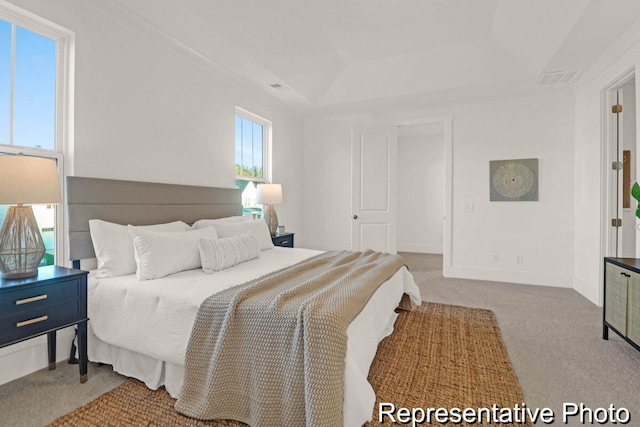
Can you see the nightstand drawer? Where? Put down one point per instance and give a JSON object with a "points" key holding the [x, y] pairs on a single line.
{"points": [[36, 297], [38, 320], [284, 240]]}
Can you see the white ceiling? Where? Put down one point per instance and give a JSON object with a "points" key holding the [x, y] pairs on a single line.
{"points": [[337, 54]]}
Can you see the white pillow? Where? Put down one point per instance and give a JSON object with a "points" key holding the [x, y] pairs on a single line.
{"points": [[257, 226], [218, 254], [113, 245], [160, 253], [201, 223]]}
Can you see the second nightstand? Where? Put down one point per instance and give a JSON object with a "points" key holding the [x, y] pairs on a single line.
{"points": [[284, 240]]}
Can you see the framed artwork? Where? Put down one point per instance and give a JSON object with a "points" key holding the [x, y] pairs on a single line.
{"points": [[513, 180]]}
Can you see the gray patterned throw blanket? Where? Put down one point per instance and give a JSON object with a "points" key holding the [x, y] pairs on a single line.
{"points": [[270, 352]]}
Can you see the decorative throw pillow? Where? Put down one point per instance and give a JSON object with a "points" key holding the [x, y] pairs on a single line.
{"points": [[218, 254], [113, 245], [160, 253], [202, 223], [256, 226]]}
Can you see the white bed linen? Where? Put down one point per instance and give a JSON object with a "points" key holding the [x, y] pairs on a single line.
{"points": [[142, 328]]}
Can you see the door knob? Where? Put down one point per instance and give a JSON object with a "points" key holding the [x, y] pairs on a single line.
{"points": [[355, 217]]}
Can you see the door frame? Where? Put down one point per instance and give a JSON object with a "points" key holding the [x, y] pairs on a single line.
{"points": [[608, 141], [447, 239]]}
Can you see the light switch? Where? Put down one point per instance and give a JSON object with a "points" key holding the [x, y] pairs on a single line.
{"points": [[468, 208]]}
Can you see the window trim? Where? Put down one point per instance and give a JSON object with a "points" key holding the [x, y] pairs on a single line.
{"points": [[64, 108]]}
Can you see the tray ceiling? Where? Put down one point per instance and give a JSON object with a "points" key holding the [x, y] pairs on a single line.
{"points": [[332, 54]]}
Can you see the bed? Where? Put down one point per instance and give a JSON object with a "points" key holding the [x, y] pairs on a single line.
{"points": [[142, 327]]}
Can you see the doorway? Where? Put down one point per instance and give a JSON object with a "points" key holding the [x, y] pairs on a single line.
{"points": [[619, 109], [441, 200]]}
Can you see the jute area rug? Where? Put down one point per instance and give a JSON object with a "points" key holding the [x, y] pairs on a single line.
{"points": [[440, 356]]}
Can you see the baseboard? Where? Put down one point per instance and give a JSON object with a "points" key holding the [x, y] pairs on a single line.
{"points": [[29, 356], [587, 290], [522, 277], [420, 249]]}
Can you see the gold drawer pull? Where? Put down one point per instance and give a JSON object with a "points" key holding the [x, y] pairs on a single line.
{"points": [[30, 321], [32, 299]]}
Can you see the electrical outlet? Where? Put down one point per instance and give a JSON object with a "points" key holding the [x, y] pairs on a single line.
{"points": [[518, 259], [495, 257]]}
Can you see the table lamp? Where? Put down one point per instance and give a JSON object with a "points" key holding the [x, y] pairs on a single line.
{"points": [[269, 195], [24, 179]]}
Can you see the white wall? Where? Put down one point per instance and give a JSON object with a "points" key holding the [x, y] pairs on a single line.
{"points": [[542, 232], [146, 110], [327, 178], [420, 198]]}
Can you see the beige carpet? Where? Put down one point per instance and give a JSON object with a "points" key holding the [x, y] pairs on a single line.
{"points": [[440, 356]]}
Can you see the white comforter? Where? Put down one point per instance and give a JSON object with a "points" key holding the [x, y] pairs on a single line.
{"points": [[142, 327]]}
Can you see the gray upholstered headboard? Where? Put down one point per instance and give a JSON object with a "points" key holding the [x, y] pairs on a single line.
{"points": [[139, 203]]}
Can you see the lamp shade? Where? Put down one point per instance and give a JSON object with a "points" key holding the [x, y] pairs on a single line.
{"points": [[269, 194], [28, 180]]}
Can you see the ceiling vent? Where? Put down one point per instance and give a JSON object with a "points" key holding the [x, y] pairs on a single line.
{"points": [[557, 77], [279, 86]]}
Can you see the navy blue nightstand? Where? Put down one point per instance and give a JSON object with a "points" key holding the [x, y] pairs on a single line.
{"points": [[54, 299]]}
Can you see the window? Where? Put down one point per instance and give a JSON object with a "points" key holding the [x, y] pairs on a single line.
{"points": [[252, 148], [34, 87], [249, 149]]}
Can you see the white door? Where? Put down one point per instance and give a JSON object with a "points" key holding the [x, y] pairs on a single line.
{"points": [[374, 152]]}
